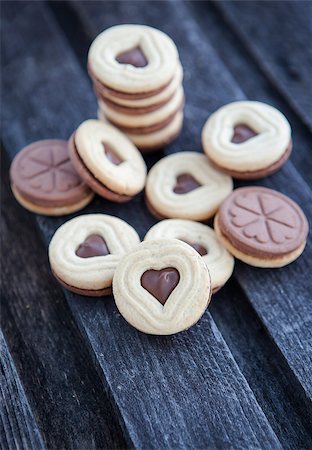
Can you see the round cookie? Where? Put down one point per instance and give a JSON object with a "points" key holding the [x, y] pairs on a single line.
{"points": [[162, 287], [149, 142], [262, 227], [247, 139], [133, 59], [185, 185], [152, 102], [84, 252], [150, 121], [107, 161], [44, 181], [204, 240]]}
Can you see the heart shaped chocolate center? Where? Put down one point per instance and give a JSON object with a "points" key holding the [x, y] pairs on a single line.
{"points": [[242, 133], [198, 247], [185, 183], [160, 283], [94, 245], [134, 56], [111, 154]]}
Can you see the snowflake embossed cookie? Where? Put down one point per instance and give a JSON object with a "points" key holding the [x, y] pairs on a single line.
{"points": [[262, 227], [44, 180], [247, 139], [162, 287]]}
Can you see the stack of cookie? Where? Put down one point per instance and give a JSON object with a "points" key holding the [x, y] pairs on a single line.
{"points": [[137, 77]]}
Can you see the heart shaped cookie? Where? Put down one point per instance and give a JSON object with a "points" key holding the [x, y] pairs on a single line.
{"points": [[162, 286]]}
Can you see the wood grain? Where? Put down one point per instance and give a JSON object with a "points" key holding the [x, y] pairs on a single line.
{"points": [[278, 34], [261, 286], [18, 427], [64, 391], [182, 391]]}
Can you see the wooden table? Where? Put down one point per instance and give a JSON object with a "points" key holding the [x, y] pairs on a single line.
{"points": [[74, 374]]}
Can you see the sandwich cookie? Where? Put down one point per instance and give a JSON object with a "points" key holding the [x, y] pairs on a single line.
{"points": [[262, 227], [186, 185], [137, 78], [107, 161], [204, 240], [84, 252], [162, 287], [44, 181], [247, 140]]}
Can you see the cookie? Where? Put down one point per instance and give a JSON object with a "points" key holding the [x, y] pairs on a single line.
{"points": [[162, 287], [107, 161], [44, 181], [133, 58], [135, 103], [84, 252], [185, 185], [137, 77], [262, 227], [247, 140], [155, 140], [204, 240], [150, 121]]}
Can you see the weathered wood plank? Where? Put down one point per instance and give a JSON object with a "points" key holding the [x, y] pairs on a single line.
{"points": [[58, 375], [247, 74], [181, 391], [278, 35], [18, 427], [204, 94]]}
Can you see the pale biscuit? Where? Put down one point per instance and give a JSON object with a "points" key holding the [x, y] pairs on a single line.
{"points": [[161, 97], [268, 145], [157, 139], [159, 50], [126, 178], [189, 293], [203, 238], [144, 120], [199, 204], [90, 274]]}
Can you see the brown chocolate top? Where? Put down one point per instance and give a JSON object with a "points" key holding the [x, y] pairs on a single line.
{"points": [[242, 133], [94, 245], [160, 283], [262, 222], [197, 246], [43, 173], [111, 154], [134, 56], [185, 183]]}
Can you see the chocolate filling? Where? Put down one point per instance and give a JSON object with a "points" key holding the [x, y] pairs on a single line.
{"points": [[134, 56], [111, 154], [242, 133], [160, 283], [198, 247], [185, 183], [94, 245], [95, 184], [121, 94]]}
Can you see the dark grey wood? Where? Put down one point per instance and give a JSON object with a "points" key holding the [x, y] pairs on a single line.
{"points": [[183, 391], [246, 72], [278, 34], [18, 427], [204, 94], [65, 392]]}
